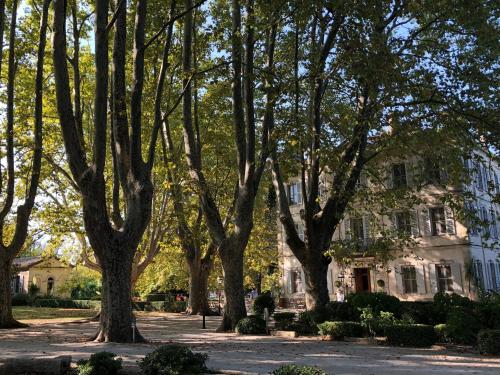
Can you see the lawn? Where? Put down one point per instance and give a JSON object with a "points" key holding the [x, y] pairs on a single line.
{"points": [[31, 313]]}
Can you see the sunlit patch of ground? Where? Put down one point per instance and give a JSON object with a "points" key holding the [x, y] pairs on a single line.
{"points": [[28, 314]]}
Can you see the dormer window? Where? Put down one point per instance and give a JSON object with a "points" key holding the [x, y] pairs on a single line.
{"points": [[399, 175]]}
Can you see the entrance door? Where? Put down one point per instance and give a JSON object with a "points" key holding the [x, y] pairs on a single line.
{"points": [[362, 280]]}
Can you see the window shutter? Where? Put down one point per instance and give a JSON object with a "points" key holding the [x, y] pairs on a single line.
{"points": [[432, 278], [394, 222], [409, 174], [398, 274], [299, 193], [363, 180], [426, 221], [347, 228], [415, 229], [450, 220], [419, 271], [366, 228], [389, 179], [456, 273]]}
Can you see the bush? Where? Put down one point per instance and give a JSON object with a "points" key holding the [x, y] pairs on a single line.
{"points": [[376, 322], [170, 306], [54, 302], [335, 330], [283, 321], [421, 312], [444, 303], [462, 326], [173, 359], [298, 370], [339, 311], [377, 301], [262, 301], [86, 304], [487, 311], [21, 299], [418, 335], [251, 325], [488, 341], [354, 329], [440, 330], [101, 363]]}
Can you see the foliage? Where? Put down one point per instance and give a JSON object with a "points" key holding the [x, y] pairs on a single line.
{"points": [[487, 311], [33, 290], [376, 322], [444, 303], [251, 325], [462, 326], [377, 301], [422, 312], [21, 299], [339, 330], [170, 306], [488, 341], [440, 330], [418, 335], [298, 370], [101, 363], [173, 359], [262, 301], [284, 320], [82, 284]]}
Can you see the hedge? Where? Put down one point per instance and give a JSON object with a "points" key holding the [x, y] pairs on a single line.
{"points": [[284, 320], [418, 335], [338, 329], [169, 306], [251, 325], [488, 341]]}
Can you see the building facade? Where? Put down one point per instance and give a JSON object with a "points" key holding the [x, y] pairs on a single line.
{"points": [[48, 274], [449, 249]]}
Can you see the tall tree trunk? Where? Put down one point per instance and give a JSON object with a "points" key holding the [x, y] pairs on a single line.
{"points": [[199, 271], [316, 281], [116, 318], [6, 318], [231, 256]]}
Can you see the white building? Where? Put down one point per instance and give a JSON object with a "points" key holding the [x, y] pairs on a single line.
{"points": [[448, 253]]}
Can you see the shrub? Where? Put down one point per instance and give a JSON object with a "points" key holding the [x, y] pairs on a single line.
{"points": [[461, 326], [284, 320], [488, 341], [251, 325], [334, 330], [376, 322], [418, 335], [101, 363], [421, 312], [440, 330], [86, 304], [173, 359], [262, 301], [298, 370], [487, 311], [339, 311], [354, 329], [170, 306], [21, 299], [377, 301], [444, 303]]}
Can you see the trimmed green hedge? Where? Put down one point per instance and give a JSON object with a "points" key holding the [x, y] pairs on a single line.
{"points": [[169, 306], [338, 330], [173, 359], [441, 335], [251, 325], [418, 335], [488, 341], [67, 303], [284, 320]]}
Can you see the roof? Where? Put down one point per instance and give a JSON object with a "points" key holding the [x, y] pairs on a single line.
{"points": [[25, 263]]}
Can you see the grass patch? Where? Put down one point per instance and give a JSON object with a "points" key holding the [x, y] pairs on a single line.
{"points": [[32, 313]]}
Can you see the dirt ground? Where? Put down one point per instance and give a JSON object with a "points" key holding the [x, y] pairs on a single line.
{"points": [[247, 354]]}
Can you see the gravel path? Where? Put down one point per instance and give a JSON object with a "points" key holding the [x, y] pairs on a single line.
{"points": [[248, 354]]}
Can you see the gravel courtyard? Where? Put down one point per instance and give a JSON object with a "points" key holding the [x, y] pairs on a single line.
{"points": [[246, 354]]}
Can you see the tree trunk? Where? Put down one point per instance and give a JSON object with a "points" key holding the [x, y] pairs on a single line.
{"points": [[316, 282], [116, 317], [6, 318], [232, 266], [199, 272]]}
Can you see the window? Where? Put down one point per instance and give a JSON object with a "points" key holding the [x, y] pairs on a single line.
{"points": [[438, 221], [444, 278], [294, 193], [485, 222], [296, 281], [479, 176], [399, 175], [403, 222], [300, 231], [409, 276], [357, 229], [493, 225], [493, 275], [50, 286], [478, 273], [433, 171]]}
